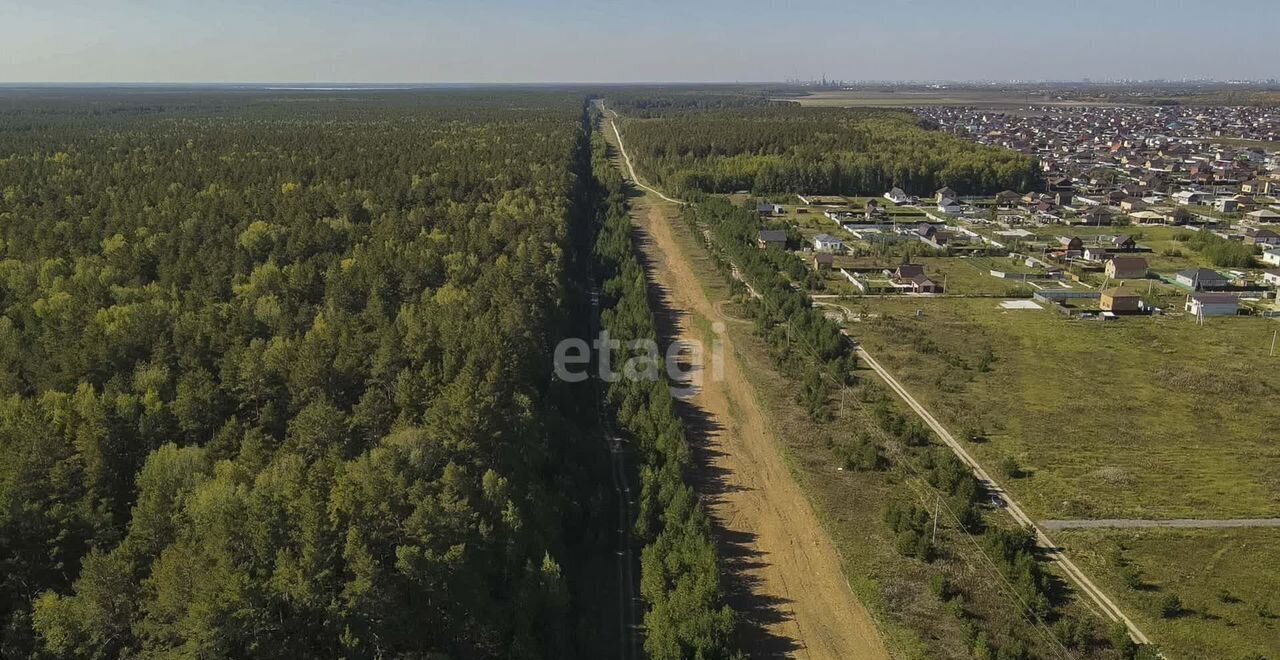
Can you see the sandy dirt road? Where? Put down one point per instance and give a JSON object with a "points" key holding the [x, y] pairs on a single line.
{"points": [[785, 575]]}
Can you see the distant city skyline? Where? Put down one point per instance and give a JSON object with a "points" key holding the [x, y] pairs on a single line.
{"points": [[504, 41]]}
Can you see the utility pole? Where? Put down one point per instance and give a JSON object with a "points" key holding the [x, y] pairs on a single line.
{"points": [[937, 508], [1273, 342]]}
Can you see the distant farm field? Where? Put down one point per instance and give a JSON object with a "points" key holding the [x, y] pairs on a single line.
{"points": [[1136, 418], [917, 97]]}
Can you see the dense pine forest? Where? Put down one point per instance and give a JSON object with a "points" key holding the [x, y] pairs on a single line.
{"points": [[277, 379], [725, 143], [686, 616]]}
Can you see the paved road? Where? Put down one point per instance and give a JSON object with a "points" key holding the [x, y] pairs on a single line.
{"points": [[1082, 581], [1182, 523]]}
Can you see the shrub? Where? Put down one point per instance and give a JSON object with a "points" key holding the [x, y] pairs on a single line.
{"points": [[941, 587], [1170, 606], [1132, 577]]}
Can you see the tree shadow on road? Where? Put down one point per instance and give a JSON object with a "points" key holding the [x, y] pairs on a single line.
{"points": [[739, 556]]}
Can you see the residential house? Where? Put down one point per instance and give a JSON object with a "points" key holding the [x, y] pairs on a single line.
{"points": [[1151, 217], [1190, 197], [927, 232], [1245, 202], [1271, 277], [1124, 244], [908, 271], [911, 276], [1226, 205], [1095, 253], [1127, 268], [898, 196], [1060, 184], [1201, 279], [949, 206], [1212, 304], [922, 284], [1098, 216], [1258, 187], [1007, 199], [775, 238], [827, 243], [770, 209], [1151, 181], [1120, 300], [1264, 237], [944, 192], [1264, 216], [823, 260], [1132, 204], [1271, 257]]}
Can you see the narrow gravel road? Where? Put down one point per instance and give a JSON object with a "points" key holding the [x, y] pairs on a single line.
{"points": [[1185, 523]]}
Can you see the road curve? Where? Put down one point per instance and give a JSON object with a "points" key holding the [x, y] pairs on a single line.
{"points": [[626, 158]]}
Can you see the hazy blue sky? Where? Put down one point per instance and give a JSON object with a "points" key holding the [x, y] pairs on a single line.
{"points": [[644, 40]]}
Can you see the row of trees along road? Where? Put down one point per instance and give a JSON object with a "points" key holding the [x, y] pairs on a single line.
{"points": [[686, 616]]}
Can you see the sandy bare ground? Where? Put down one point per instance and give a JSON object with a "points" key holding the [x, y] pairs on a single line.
{"points": [[785, 575]]}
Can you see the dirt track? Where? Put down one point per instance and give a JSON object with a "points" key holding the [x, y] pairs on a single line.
{"points": [[785, 574]]}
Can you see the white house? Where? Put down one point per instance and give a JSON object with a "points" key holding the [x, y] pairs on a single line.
{"points": [[1212, 304], [1190, 197], [1271, 257], [950, 206], [1271, 277], [827, 243], [898, 196], [1095, 253]]}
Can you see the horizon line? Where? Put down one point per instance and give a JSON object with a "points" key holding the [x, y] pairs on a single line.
{"points": [[785, 83]]}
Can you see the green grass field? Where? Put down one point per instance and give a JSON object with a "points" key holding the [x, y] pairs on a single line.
{"points": [[961, 276], [1142, 417], [1227, 580]]}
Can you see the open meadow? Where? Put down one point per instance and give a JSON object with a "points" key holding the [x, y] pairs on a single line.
{"points": [[1141, 417], [1225, 580]]}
